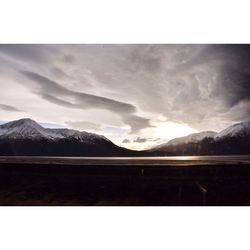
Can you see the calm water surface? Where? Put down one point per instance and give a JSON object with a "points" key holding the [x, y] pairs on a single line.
{"points": [[164, 161]]}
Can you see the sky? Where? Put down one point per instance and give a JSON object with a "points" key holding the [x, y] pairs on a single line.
{"points": [[138, 96]]}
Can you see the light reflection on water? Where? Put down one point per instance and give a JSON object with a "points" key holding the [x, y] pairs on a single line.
{"points": [[166, 160], [183, 158]]}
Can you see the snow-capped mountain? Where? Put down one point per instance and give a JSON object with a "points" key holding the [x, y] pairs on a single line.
{"points": [[27, 137], [196, 137], [29, 129], [237, 130], [232, 140]]}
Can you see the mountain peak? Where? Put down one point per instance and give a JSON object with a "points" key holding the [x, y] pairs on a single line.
{"points": [[27, 128], [195, 137], [21, 122], [20, 129], [239, 129]]}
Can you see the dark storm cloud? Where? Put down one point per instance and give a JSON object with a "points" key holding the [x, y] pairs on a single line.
{"points": [[232, 86], [236, 87], [59, 95], [9, 108], [235, 73]]}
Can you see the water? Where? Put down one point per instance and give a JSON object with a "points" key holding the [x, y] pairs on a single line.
{"points": [[137, 161]]}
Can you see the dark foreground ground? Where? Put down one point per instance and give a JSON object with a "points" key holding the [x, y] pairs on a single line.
{"points": [[96, 182]]}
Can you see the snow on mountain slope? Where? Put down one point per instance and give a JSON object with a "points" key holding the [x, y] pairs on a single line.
{"points": [[237, 130], [192, 138], [29, 129], [189, 138]]}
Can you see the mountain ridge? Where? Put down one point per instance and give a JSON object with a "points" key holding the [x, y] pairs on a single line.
{"points": [[234, 139], [189, 138], [22, 129], [28, 138]]}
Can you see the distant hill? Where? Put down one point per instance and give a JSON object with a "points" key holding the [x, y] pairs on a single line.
{"points": [[26, 137], [232, 140]]}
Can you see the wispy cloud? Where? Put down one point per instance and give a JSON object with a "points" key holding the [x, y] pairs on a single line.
{"points": [[79, 100], [9, 108]]}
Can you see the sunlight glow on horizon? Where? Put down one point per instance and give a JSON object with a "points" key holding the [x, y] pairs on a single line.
{"points": [[173, 130], [165, 131]]}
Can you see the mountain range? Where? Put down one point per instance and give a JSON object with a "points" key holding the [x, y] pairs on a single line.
{"points": [[26, 137], [232, 140]]}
